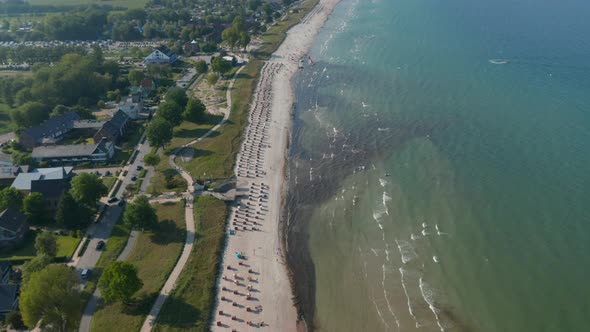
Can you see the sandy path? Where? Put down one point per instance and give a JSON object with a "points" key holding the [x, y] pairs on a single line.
{"points": [[254, 292]]}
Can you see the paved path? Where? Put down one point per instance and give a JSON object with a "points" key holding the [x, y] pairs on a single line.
{"points": [[189, 219]]}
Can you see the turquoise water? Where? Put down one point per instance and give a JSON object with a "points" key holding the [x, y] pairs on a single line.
{"points": [[434, 189]]}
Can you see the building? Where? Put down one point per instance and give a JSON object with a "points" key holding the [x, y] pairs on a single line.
{"points": [[50, 131], [5, 272], [148, 84], [72, 154], [161, 55], [191, 47], [114, 128], [132, 105], [8, 298], [51, 182], [13, 228], [9, 173]]}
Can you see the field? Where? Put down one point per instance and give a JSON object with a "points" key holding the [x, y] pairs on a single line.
{"points": [[155, 254], [66, 246], [114, 3], [109, 181], [190, 304]]}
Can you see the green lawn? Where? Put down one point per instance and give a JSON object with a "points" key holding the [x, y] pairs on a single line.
{"points": [[66, 246], [109, 181], [114, 3], [166, 179], [155, 254], [190, 305]]}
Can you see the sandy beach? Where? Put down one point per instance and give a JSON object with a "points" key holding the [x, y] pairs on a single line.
{"points": [[254, 292]]}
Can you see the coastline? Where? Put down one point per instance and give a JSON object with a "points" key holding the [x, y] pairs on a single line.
{"points": [[266, 299]]}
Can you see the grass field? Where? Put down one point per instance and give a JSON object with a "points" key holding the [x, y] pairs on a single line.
{"points": [[66, 246], [109, 181], [154, 255], [189, 306], [166, 178], [114, 3]]}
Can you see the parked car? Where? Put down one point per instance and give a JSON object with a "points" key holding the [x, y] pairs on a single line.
{"points": [[134, 178], [121, 202], [139, 168], [97, 173], [85, 273], [107, 173], [100, 245], [112, 200]]}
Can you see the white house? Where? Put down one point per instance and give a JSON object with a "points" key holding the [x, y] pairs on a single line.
{"points": [[161, 55]]}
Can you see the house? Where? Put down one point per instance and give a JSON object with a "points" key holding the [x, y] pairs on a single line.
{"points": [[9, 173], [51, 182], [148, 84], [73, 154], [113, 128], [8, 298], [5, 159], [191, 47], [50, 131], [13, 228], [5, 272], [161, 55], [132, 105]]}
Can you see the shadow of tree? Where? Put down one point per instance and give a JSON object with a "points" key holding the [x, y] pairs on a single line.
{"points": [[167, 232], [180, 315], [141, 305]]}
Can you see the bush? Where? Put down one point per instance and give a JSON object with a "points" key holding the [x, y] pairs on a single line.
{"points": [[15, 320], [73, 233]]}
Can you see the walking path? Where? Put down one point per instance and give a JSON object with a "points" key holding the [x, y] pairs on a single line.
{"points": [[189, 219]]}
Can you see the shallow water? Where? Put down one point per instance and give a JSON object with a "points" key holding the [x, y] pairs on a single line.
{"points": [[433, 189]]}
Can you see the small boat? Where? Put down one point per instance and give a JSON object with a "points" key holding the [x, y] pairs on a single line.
{"points": [[499, 61], [301, 63]]}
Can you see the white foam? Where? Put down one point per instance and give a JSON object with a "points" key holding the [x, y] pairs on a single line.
{"points": [[406, 251], [435, 259], [424, 225], [387, 299], [401, 272], [379, 313], [428, 296], [383, 129], [424, 232]]}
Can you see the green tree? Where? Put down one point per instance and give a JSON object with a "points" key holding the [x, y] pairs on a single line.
{"points": [[231, 36], [171, 111], [201, 66], [36, 264], [178, 96], [151, 159], [135, 76], [59, 110], [159, 132], [119, 281], [22, 158], [140, 213], [46, 244], [10, 197], [15, 320], [29, 114], [35, 207], [87, 188], [51, 299], [221, 66], [195, 110], [244, 39], [70, 214], [212, 78]]}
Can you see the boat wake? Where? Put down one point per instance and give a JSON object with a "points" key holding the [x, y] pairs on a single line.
{"points": [[499, 61]]}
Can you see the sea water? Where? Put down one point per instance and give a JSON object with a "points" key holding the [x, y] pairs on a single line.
{"points": [[439, 168]]}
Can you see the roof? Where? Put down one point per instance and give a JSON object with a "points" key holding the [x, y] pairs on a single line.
{"points": [[74, 150], [12, 219], [164, 49], [116, 123], [147, 83], [83, 124], [52, 125], [23, 180], [10, 172], [8, 297]]}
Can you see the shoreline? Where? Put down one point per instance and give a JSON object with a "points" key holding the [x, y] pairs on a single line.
{"points": [[256, 290]]}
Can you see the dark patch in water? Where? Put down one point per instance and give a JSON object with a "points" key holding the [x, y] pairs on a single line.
{"points": [[359, 146]]}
